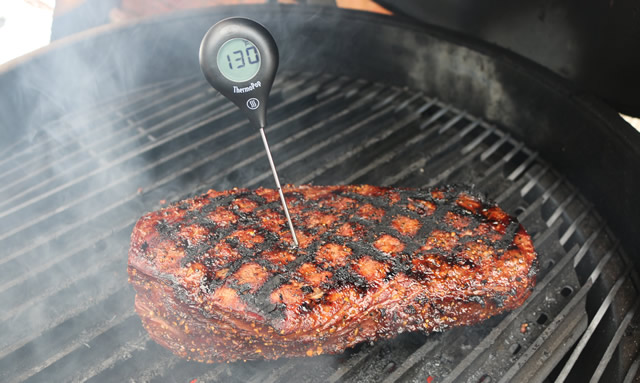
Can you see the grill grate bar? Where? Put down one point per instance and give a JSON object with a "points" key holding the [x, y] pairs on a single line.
{"points": [[493, 172], [561, 208], [274, 375], [595, 321], [162, 363], [608, 354], [572, 228], [510, 192], [541, 238], [26, 303], [74, 264], [541, 199], [91, 136], [79, 248], [455, 166], [117, 103], [435, 117], [522, 167], [633, 370], [136, 102], [518, 185], [41, 154], [321, 169], [44, 216], [408, 101], [354, 362], [394, 94], [505, 159], [121, 352], [54, 322], [459, 116], [532, 182], [102, 110], [129, 365], [565, 313], [407, 170], [95, 191], [476, 141], [587, 244], [219, 112], [77, 344], [388, 156], [7, 149], [82, 178], [78, 284], [422, 352], [259, 154], [334, 87], [82, 148], [505, 138]]}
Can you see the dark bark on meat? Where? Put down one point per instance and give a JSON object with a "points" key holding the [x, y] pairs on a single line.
{"points": [[217, 279]]}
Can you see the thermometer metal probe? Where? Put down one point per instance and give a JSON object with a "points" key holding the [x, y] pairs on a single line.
{"points": [[239, 58]]}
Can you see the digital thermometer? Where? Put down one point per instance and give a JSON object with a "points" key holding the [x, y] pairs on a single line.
{"points": [[239, 58]]}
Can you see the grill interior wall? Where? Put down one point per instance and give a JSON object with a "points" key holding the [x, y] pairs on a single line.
{"points": [[70, 197]]}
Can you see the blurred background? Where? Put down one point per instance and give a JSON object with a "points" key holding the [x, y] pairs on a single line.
{"points": [[26, 25]]}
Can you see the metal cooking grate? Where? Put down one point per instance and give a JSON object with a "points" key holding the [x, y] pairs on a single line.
{"points": [[69, 198]]}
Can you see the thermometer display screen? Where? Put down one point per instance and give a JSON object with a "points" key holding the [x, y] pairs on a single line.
{"points": [[238, 60]]}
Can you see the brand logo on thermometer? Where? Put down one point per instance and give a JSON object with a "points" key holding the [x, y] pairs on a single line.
{"points": [[246, 89], [253, 103]]}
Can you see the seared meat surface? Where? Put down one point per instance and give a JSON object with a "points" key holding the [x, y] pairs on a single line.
{"points": [[218, 280]]}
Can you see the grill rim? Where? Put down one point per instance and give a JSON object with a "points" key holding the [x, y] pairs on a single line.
{"points": [[525, 156]]}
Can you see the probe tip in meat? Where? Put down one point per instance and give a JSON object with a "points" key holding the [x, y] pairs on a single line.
{"points": [[275, 177]]}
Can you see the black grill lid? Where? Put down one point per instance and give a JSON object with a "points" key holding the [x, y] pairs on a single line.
{"points": [[592, 43]]}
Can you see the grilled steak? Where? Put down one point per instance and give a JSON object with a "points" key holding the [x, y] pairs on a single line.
{"points": [[217, 279]]}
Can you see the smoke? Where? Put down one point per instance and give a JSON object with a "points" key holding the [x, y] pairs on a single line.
{"points": [[96, 130], [74, 169]]}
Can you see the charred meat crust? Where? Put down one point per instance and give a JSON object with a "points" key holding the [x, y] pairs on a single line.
{"points": [[217, 279]]}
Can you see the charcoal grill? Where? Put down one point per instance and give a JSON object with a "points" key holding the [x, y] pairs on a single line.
{"points": [[82, 160]]}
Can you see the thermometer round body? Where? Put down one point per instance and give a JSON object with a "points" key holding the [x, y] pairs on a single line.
{"points": [[239, 58]]}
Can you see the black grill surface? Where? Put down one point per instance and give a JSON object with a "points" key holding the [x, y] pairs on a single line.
{"points": [[71, 192]]}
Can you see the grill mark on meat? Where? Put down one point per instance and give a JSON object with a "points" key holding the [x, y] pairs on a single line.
{"points": [[375, 250]]}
